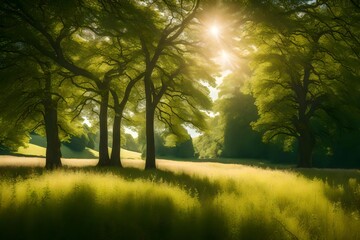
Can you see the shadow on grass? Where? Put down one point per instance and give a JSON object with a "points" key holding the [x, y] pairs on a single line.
{"points": [[79, 214], [147, 205], [198, 187]]}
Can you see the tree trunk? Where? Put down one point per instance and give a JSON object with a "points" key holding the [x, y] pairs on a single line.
{"points": [[150, 138], [150, 162], [306, 143], [115, 153], [119, 110], [53, 152], [104, 159]]}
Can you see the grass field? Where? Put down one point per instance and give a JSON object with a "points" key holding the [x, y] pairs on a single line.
{"points": [[38, 151], [182, 200]]}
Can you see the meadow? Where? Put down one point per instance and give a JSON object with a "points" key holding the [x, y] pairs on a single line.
{"points": [[181, 200]]}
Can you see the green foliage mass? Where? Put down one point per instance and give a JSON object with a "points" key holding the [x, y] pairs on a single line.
{"points": [[171, 147], [302, 58], [22, 102], [210, 143], [297, 59]]}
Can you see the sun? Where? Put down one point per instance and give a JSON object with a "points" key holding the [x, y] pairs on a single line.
{"points": [[215, 31]]}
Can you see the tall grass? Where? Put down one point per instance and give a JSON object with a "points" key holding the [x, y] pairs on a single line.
{"points": [[182, 201]]}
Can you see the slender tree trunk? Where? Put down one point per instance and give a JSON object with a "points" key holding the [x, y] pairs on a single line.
{"points": [[53, 152], [150, 162], [115, 153], [104, 159]]}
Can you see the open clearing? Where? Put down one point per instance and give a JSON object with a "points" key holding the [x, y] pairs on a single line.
{"points": [[182, 200]]}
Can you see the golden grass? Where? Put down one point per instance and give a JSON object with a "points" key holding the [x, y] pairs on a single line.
{"points": [[32, 150], [35, 150], [185, 200]]}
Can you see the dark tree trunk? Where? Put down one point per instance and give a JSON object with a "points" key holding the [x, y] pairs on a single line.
{"points": [[119, 110], [53, 152], [150, 162], [306, 143], [104, 159], [150, 138], [115, 153]]}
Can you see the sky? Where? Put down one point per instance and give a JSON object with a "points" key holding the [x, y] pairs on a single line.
{"points": [[214, 95]]}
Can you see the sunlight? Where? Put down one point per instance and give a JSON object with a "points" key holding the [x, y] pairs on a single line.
{"points": [[224, 57], [215, 31], [130, 131], [86, 121]]}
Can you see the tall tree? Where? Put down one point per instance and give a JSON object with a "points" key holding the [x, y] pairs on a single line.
{"points": [[118, 22], [167, 41], [110, 25], [302, 62], [32, 97]]}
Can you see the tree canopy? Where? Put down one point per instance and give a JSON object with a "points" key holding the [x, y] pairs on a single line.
{"points": [[291, 66]]}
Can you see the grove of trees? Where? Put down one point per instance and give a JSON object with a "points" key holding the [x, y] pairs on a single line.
{"points": [[294, 76]]}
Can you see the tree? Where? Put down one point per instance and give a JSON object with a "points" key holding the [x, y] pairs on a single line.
{"points": [[115, 25], [165, 66], [240, 140], [31, 98], [302, 63], [72, 42]]}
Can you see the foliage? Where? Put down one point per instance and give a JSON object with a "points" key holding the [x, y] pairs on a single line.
{"points": [[297, 59], [130, 143], [303, 64], [77, 143], [173, 148], [22, 103], [240, 141], [210, 143]]}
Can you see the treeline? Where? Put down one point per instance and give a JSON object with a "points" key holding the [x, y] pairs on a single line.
{"points": [[238, 140], [292, 80]]}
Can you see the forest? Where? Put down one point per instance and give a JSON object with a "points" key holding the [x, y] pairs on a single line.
{"points": [[173, 119]]}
